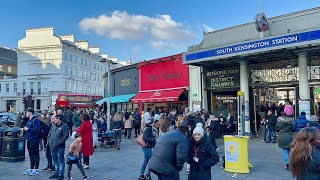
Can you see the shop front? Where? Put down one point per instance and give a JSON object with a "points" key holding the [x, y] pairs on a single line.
{"points": [[270, 65], [164, 84]]}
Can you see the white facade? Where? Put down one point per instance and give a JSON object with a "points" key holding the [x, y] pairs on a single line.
{"points": [[49, 65], [197, 93]]}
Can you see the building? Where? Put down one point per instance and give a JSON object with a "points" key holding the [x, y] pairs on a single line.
{"points": [[164, 84], [49, 65], [269, 60], [8, 63]]}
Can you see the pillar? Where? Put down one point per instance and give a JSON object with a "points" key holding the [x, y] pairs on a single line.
{"points": [[304, 88], [244, 87]]}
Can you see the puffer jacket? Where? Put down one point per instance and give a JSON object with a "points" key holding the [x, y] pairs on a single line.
{"points": [[272, 121], [207, 156], [170, 154], [313, 166], [300, 123], [285, 129]]}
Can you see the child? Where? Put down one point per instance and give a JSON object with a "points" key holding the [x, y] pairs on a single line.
{"points": [[75, 155]]}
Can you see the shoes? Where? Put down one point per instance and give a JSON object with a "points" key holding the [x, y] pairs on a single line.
{"points": [[47, 169], [85, 178], [86, 167], [118, 147], [60, 177], [147, 177], [141, 177], [187, 172], [34, 172], [262, 140], [69, 178], [27, 172], [54, 176]]}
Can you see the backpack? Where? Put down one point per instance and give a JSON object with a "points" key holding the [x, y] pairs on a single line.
{"points": [[44, 129]]}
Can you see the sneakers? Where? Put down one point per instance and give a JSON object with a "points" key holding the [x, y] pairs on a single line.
{"points": [[141, 177], [34, 172], [86, 167], [69, 178], [54, 176], [85, 178], [27, 172], [147, 177]]}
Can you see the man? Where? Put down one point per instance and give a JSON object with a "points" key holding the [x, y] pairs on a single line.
{"points": [[76, 120], [170, 154], [301, 122], [50, 166], [69, 117], [59, 112], [137, 123], [45, 117], [58, 135], [147, 116], [32, 129], [272, 121]]}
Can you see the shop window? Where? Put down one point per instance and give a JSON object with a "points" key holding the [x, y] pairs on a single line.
{"points": [[38, 104]]}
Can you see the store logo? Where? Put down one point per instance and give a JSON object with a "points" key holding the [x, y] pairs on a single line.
{"points": [[156, 94], [262, 24]]}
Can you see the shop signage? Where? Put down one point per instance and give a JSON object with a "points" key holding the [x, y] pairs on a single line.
{"points": [[262, 23], [164, 75], [125, 82], [222, 78], [261, 45]]}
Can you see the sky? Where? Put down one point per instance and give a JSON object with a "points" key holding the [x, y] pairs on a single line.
{"points": [[136, 29]]}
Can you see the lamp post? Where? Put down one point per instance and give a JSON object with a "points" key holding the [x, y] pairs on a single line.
{"points": [[104, 60]]}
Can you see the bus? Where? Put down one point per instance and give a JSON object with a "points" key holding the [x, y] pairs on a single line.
{"points": [[76, 100]]}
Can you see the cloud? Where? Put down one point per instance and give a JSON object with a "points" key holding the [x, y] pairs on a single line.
{"points": [[207, 28], [160, 30], [136, 49], [162, 45]]}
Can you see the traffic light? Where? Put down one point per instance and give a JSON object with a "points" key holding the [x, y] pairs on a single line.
{"points": [[24, 100], [29, 97]]}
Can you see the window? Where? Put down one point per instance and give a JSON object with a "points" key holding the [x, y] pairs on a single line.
{"points": [[89, 89], [9, 69], [75, 87], [39, 87], [7, 87], [65, 70], [23, 88], [31, 87], [70, 86], [15, 88], [85, 74], [76, 72], [38, 104], [70, 71]]}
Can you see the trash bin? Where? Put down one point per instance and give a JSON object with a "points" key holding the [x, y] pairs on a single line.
{"points": [[2, 129], [236, 154], [13, 145]]}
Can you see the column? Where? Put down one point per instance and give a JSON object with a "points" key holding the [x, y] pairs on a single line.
{"points": [[244, 87], [304, 88]]}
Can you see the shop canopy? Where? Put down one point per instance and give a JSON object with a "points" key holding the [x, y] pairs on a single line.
{"points": [[101, 101], [122, 98], [159, 96]]}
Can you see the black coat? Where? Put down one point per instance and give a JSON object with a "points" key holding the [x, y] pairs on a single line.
{"points": [[137, 119], [207, 156], [313, 166], [148, 137], [214, 129], [170, 154], [272, 121]]}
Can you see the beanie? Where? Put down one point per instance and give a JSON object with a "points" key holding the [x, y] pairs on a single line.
{"points": [[198, 129]]}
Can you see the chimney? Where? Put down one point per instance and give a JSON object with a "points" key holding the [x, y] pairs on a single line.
{"points": [[83, 44], [94, 50], [69, 37]]}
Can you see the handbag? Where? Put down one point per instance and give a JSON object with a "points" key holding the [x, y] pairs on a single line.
{"points": [[141, 141]]}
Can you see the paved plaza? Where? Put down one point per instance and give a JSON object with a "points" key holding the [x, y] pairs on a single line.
{"points": [[111, 164]]}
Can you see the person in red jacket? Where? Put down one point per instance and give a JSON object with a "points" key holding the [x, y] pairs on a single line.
{"points": [[87, 141]]}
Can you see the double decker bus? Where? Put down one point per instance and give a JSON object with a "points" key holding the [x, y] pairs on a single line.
{"points": [[76, 100]]}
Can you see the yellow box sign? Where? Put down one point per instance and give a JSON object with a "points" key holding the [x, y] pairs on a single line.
{"points": [[236, 154]]}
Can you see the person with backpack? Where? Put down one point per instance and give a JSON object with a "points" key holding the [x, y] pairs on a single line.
{"points": [[288, 109]]}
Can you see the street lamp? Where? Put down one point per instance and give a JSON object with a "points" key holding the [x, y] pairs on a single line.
{"points": [[108, 61]]}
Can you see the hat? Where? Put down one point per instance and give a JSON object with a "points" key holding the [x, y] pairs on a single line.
{"points": [[198, 129], [303, 113]]}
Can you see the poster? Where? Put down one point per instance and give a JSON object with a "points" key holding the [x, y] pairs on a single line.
{"points": [[305, 106], [232, 152]]}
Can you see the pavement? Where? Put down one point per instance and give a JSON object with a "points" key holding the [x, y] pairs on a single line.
{"points": [[111, 164]]}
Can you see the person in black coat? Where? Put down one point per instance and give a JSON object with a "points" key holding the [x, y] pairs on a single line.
{"points": [[272, 121], [137, 122], [170, 154], [202, 155], [214, 130]]}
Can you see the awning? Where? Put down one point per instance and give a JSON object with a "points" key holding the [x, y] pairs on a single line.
{"points": [[158, 96], [101, 101], [122, 98]]}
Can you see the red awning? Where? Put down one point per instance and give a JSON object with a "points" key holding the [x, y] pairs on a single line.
{"points": [[158, 96]]}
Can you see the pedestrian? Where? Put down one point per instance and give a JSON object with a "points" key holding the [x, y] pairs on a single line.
{"points": [[170, 154], [95, 131], [285, 129], [117, 128], [180, 119], [32, 129], [305, 155], [150, 140], [69, 117], [147, 116], [214, 130], [57, 137], [18, 121], [301, 122], [165, 124], [75, 156], [87, 140], [127, 125], [314, 121], [202, 155], [137, 123], [76, 121], [50, 167], [43, 134], [288, 108], [59, 112], [272, 121]]}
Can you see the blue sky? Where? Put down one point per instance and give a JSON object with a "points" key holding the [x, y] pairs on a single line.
{"points": [[136, 29]]}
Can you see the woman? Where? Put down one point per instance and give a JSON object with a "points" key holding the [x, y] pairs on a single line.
{"points": [[202, 155], [214, 130], [95, 132], [117, 127], [150, 140], [180, 119], [128, 125], [165, 124], [85, 130], [305, 155], [285, 129]]}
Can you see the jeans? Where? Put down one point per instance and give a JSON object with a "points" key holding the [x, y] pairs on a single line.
{"points": [[70, 124], [33, 149], [79, 165], [58, 160], [128, 132], [137, 130], [117, 136], [271, 135], [286, 152], [86, 160], [265, 133], [49, 158], [147, 156]]}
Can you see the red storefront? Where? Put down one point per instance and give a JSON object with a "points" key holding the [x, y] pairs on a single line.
{"points": [[163, 84]]}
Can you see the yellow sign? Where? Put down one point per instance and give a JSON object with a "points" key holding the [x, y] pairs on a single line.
{"points": [[11, 110], [240, 93]]}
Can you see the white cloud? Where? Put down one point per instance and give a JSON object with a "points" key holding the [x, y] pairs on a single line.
{"points": [[162, 45], [207, 28], [160, 30]]}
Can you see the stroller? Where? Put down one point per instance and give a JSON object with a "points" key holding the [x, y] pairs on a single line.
{"points": [[107, 139]]}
